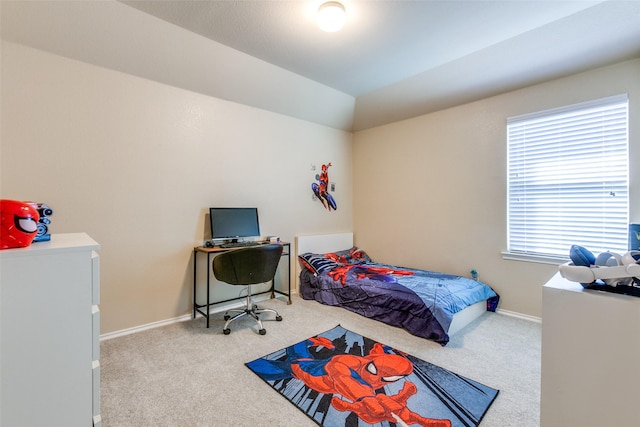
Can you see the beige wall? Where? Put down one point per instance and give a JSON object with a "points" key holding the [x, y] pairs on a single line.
{"points": [[430, 192], [136, 164]]}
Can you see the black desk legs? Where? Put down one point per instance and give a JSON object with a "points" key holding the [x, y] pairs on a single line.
{"points": [[289, 302], [195, 269], [204, 309], [208, 304], [196, 306]]}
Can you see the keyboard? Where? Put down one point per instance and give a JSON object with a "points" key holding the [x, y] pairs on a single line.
{"points": [[240, 244]]}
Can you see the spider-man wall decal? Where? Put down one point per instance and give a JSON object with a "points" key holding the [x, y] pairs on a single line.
{"points": [[321, 189]]}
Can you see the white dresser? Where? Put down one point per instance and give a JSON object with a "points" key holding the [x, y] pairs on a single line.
{"points": [[50, 329], [590, 356]]}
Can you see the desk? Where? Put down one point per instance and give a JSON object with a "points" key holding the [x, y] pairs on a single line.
{"points": [[211, 251]]}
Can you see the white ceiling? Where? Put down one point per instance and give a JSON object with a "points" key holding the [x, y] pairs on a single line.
{"points": [[382, 43], [399, 59]]}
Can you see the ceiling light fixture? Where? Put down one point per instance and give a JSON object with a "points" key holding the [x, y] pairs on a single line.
{"points": [[331, 16]]}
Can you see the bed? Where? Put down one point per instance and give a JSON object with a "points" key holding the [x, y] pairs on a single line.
{"points": [[427, 304]]}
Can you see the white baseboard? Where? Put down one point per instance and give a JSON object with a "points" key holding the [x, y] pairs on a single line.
{"points": [[212, 310], [519, 315], [145, 327], [225, 307]]}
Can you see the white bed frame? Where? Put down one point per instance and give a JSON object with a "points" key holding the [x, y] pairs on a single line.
{"points": [[322, 243]]}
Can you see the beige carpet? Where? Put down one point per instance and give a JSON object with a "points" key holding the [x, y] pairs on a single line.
{"points": [[187, 375]]}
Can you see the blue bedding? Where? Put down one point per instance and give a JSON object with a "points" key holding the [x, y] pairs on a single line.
{"points": [[420, 301]]}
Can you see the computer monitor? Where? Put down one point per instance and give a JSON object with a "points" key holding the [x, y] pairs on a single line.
{"points": [[233, 223]]}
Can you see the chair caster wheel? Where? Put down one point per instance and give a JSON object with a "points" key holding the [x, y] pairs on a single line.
{"points": [[227, 317], [279, 318], [226, 331], [262, 331]]}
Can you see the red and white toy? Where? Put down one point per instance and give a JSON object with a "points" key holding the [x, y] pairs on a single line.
{"points": [[18, 224]]}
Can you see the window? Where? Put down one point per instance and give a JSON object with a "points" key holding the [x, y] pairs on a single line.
{"points": [[568, 179]]}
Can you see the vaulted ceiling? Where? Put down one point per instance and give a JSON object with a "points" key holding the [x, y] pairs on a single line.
{"points": [[394, 59]]}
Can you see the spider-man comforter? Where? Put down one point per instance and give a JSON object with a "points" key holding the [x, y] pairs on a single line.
{"points": [[422, 302]]}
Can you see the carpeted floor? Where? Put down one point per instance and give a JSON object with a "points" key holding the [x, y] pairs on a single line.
{"points": [[186, 375]]}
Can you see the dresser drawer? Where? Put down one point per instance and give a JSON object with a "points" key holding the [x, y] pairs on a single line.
{"points": [[95, 278], [96, 388], [95, 321]]}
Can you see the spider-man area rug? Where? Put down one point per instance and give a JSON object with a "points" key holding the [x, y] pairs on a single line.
{"points": [[340, 378]]}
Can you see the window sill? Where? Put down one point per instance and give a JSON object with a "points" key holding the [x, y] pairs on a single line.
{"points": [[542, 259]]}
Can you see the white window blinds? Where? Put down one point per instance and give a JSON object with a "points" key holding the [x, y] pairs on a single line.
{"points": [[568, 178]]}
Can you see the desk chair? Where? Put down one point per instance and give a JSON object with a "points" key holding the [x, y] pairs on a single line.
{"points": [[246, 267]]}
